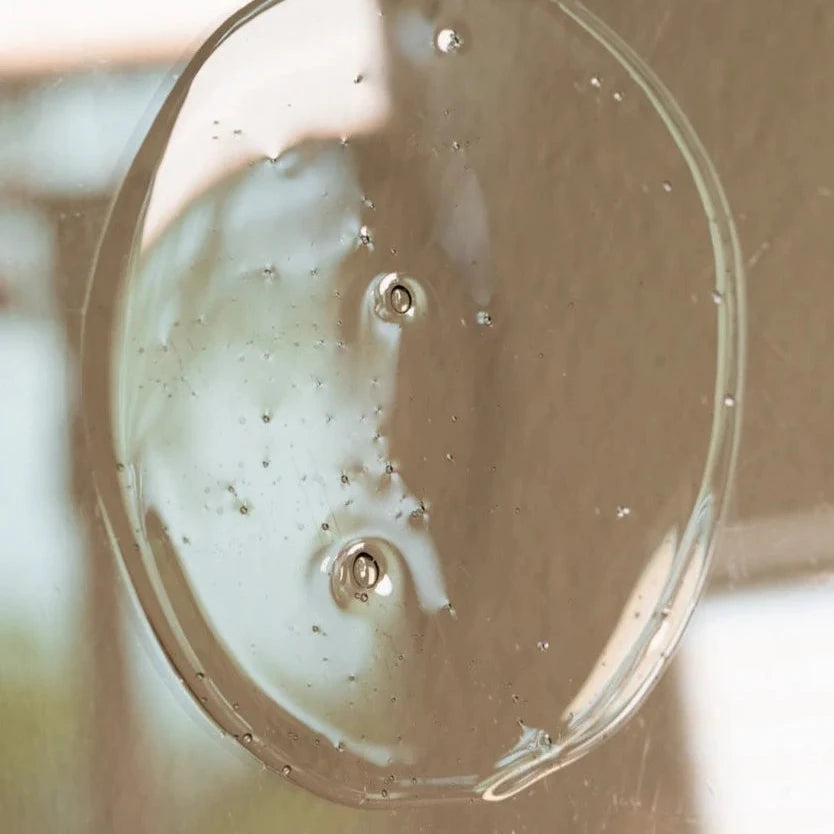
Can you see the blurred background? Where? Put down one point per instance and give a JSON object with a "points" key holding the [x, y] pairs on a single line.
{"points": [[98, 736]]}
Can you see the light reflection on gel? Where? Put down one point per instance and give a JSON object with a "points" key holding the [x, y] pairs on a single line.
{"points": [[237, 345]]}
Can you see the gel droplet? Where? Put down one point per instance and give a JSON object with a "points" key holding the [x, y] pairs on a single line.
{"points": [[316, 362]]}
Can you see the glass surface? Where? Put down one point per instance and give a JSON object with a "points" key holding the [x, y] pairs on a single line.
{"points": [[98, 732], [358, 421]]}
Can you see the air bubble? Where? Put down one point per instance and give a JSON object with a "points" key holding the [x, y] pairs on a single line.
{"points": [[623, 512], [667, 186], [365, 571], [483, 318], [400, 299], [596, 81], [729, 400], [543, 645], [448, 41], [286, 770]]}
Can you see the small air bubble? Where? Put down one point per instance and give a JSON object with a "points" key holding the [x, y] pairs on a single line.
{"points": [[366, 572], [244, 510], [266, 418], [717, 297], [456, 145], [400, 299], [325, 526], [450, 457], [448, 40], [484, 318], [596, 81], [542, 645], [246, 738], [667, 186], [617, 96], [345, 479], [729, 400], [623, 512], [286, 770], [384, 794], [358, 78], [389, 469], [201, 676]]}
